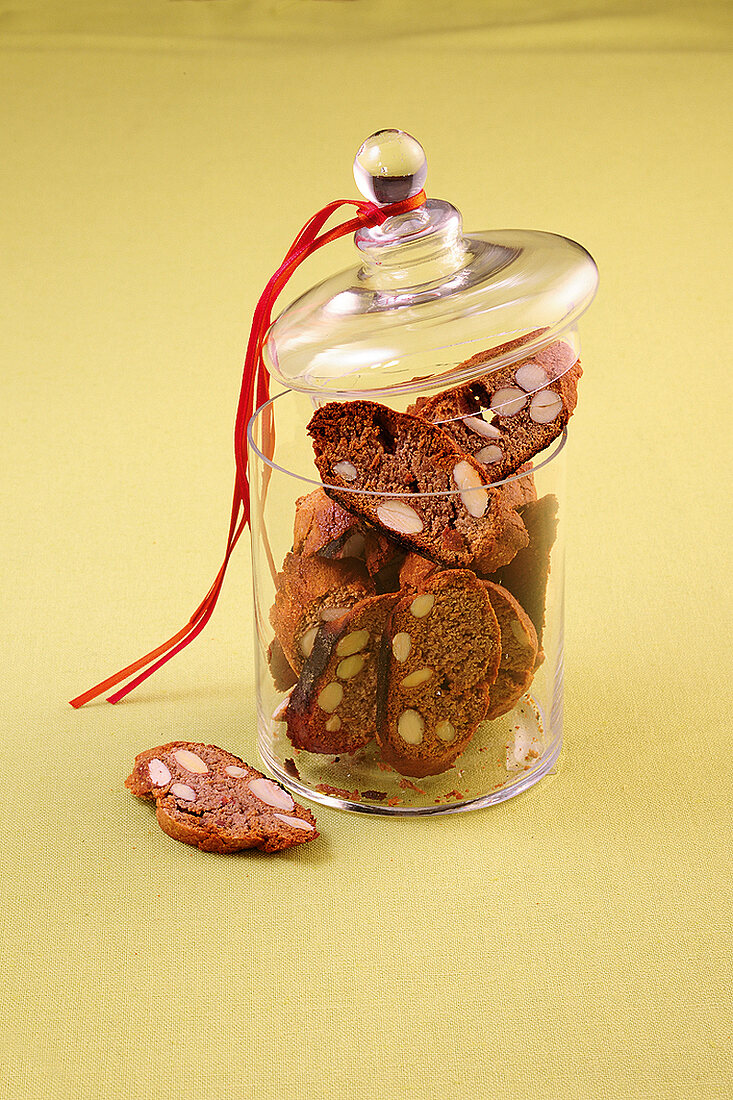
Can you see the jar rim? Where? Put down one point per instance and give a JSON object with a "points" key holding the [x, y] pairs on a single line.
{"points": [[558, 447]]}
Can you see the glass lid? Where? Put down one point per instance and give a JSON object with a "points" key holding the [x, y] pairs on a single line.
{"points": [[426, 296]]}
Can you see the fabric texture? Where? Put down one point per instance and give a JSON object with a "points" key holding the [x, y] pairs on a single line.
{"points": [[573, 943]]}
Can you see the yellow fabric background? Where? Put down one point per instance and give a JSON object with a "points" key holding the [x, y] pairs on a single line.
{"points": [[573, 943]]}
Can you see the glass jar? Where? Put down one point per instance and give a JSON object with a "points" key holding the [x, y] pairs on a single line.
{"points": [[407, 506]]}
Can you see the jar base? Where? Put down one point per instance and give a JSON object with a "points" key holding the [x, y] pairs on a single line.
{"points": [[510, 755]]}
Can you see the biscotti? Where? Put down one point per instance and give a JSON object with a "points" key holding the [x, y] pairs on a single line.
{"points": [[372, 459], [440, 654], [520, 488], [414, 570], [527, 575], [418, 679], [211, 799], [312, 590], [320, 522], [518, 638], [507, 416], [332, 708], [322, 527], [518, 651]]}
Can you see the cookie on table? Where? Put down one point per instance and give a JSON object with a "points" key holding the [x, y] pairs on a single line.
{"points": [[310, 591], [439, 657], [527, 575], [209, 798], [370, 449], [518, 651], [324, 528], [509, 415], [332, 708]]}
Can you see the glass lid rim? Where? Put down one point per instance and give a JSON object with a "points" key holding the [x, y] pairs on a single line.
{"points": [[557, 448], [539, 338]]}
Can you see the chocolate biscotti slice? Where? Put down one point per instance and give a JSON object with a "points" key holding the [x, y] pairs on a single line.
{"points": [[516, 492], [439, 657], [511, 414], [312, 590], [527, 575], [368, 448], [518, 637], [209, 798], [332, 708], [518, 651]]}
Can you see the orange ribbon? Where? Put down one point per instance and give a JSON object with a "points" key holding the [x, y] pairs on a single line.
{"points": [[254, 392]]}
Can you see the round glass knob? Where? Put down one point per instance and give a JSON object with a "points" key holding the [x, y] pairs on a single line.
{"points": [[390, 166]]}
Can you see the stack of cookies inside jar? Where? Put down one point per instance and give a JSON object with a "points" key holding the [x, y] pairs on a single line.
{"points": [[410, 614]]}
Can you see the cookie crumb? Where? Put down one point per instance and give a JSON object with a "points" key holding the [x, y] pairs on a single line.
{"points": [[337, 792], [408, 786]]}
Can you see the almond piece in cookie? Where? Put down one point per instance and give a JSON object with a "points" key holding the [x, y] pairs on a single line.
{"points": [[225, 808], [415, 485], [439, 657]]}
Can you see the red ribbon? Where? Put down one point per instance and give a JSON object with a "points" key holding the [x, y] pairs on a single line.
{"points": [[254, 392]]}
